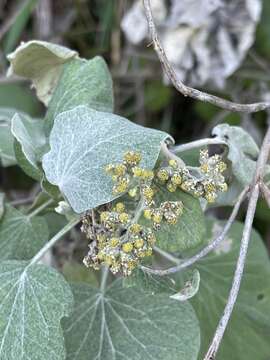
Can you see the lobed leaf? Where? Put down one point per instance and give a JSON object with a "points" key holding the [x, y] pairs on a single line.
{"points": [[83, 141], [129, 324], [33, 301], [83, 82]]}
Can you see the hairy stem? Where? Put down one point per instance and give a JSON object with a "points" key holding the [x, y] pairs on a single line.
{"points": [[189, 91], [197, 144], [54, 240], [40, 208], [104, 277], [254, 195], [206, 250]]}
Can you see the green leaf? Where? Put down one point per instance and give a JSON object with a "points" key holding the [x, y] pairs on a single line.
{"points": [[179, 288], [33, 301], [243, 151], [129, 324], [21, 236], [7, 154], [83, 141], [190, 228], [82, 83], [249, 327], [74, 272], [41, 62], [2, 204], [30, 144]]}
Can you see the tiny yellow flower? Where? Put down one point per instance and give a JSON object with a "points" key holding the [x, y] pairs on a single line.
{"points": [[148, 193], [157, 217], [204, 168], [123, 218], [137, 171], [135, 228], [127, 247], [104, 216], [163, 175], [132, 157], [119, 207], [139, 243], [120, 169], [176, 179], [147, 214], [114, 241], [171, 187], [132, 192], [222, 166], [210, 197], [173, 163]]}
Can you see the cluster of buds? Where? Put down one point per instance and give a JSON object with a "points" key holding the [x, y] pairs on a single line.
{"points": [[207, 186], [116, 238], [116, 241]]}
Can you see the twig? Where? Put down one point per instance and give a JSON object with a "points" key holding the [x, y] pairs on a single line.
{"points": [[266, 193], [197, 144], [206, 250], [254, 195], [186, 90], [11, 19]]}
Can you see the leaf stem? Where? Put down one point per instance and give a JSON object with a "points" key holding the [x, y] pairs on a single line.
{"points": [[54, 240], [40, 208], [104, 277], [197, 144], [167, 255]]}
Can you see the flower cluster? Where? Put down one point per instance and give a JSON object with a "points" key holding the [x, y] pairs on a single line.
{"points": [[206, 186], [119, 242], [118, 236]]}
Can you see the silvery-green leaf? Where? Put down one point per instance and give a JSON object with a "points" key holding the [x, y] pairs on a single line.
{"points": [[30, 144], [21, 236], [189, 289], [33, 301], [128, 324], [79, 273], [83, 82], [249, 326], [7, 154], [189, 231], [2, 204], [41, 62], [242, 151], [83, 141]]}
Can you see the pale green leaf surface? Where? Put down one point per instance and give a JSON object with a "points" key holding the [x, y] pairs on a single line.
{"points": [[79, 273], [83, 141], [41, 62], [7, 154], [190, 228], [190, 288], [21, 236], [83, 82], [248, 332], [30, 144], [128, 324], [242, 151], [33, 301]]}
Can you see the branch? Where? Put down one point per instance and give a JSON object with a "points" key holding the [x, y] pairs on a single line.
{"points": [[197, 144], [254, 195], [206, 250], [186, 90]]}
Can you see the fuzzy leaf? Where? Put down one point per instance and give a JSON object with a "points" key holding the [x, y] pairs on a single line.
{"points": [[33, 301], [83, 141], [243, 151], [128, 324], [21, 236], [30, 144], [7, 154], [249, 327], [41, 62], [83, 82], [190, 228], [190, 288]]}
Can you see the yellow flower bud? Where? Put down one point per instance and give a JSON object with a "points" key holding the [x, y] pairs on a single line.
{"points": [[104, 216], [119, 207], [132, 158], [139, 243], [132, 192], [176, 179], [173, 163], [114, 241], [123, 218], [135, 228], [147, 214], [127, 247], [137, 171], [171, 187], [120, 169], [163, 175]]}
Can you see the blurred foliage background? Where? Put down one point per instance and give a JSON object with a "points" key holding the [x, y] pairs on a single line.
{"points": [[92, 27]]}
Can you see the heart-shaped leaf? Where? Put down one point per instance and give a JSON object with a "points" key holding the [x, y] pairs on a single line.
{"points": [[83, 141]]}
